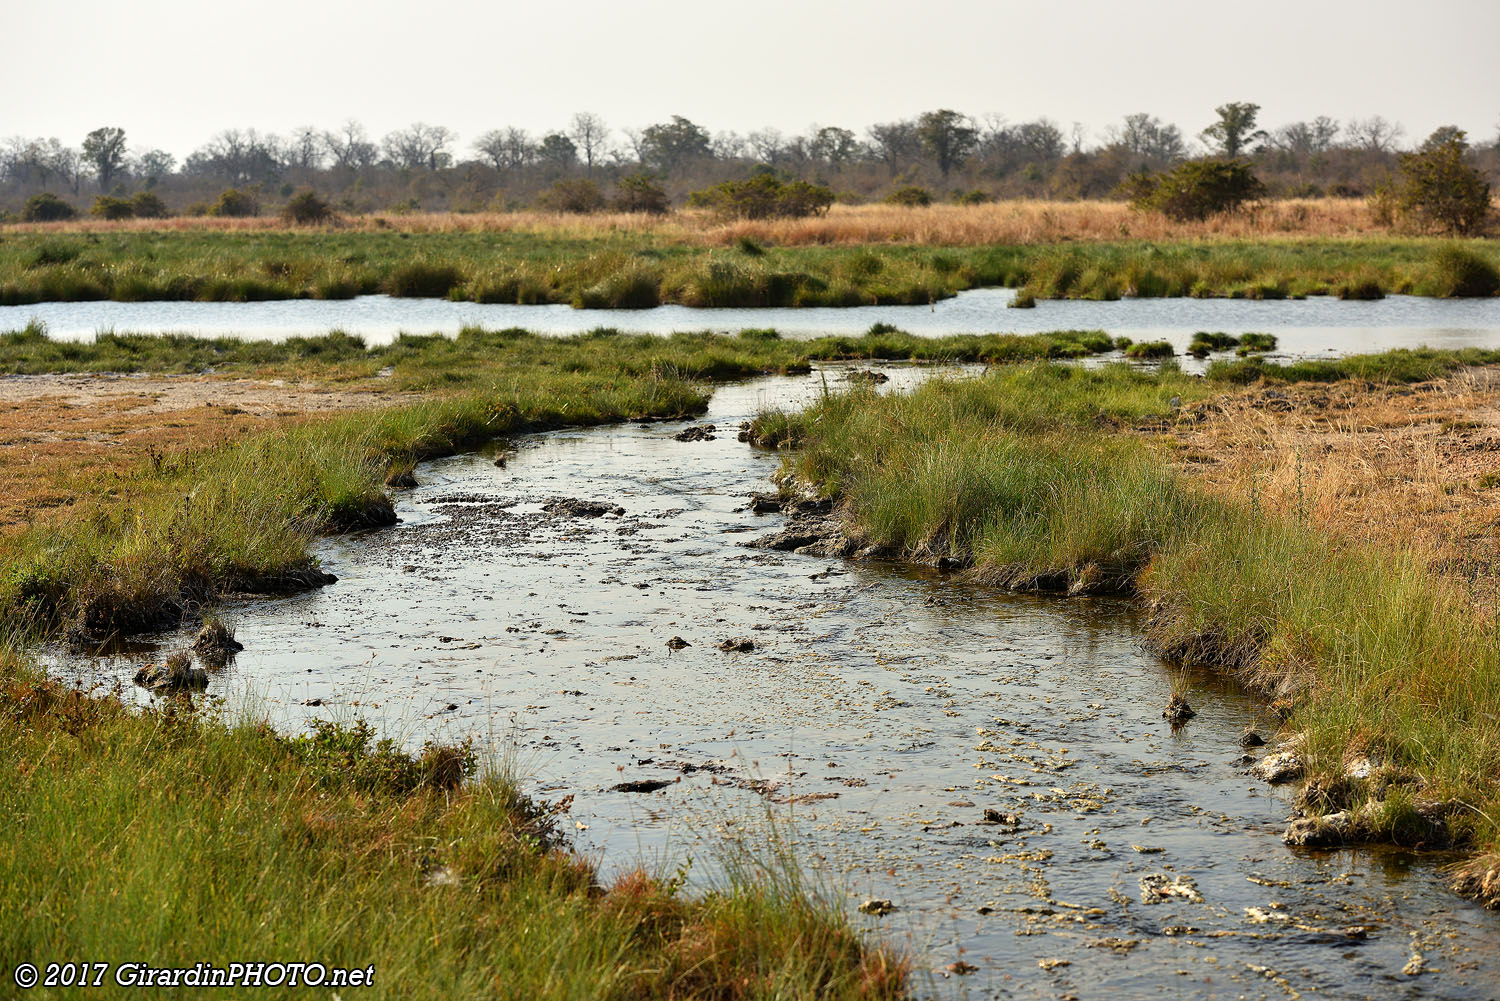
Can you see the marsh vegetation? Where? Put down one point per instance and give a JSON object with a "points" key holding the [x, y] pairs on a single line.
{"points": [[842, 259]]}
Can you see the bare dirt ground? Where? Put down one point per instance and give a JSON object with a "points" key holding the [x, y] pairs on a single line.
{"points": [[1409, 466], [62, 434]]}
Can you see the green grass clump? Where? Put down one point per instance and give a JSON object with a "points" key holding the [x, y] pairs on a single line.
{"points": [[1205, 343], [1457, 272], [1149, 350], [177, 835], [1252, 342], [421, 279], [1396, 366]]}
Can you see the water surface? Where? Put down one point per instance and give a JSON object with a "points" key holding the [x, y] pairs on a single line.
{"points": [[1307, 327]]}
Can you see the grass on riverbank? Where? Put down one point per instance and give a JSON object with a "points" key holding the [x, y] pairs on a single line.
{"points": [[1370, 652], [173, 837], [881, 260], [478, 357]]}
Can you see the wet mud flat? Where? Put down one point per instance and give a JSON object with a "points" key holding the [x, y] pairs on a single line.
{"points": [[984, 777]]}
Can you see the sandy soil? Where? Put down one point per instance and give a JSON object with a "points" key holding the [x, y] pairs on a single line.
{"points": [[60, 434]]}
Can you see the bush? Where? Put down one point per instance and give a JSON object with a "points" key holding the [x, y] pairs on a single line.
{"points": [[146, 205], [306, 209], [1439, 190], [975, 197], [47, 207], [764, 197], [108, 207], [235, 204], [573, 195], [910, 196], [1457, 273], [1195, 190], [640, 193]]}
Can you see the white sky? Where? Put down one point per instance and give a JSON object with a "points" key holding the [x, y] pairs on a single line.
{"points": [[173, 72]]}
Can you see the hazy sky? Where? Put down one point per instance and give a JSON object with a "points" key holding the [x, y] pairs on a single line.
{"points": [[172, 72]]}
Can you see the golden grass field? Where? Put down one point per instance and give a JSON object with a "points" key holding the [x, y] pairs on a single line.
{"points": [[1012, 222]]}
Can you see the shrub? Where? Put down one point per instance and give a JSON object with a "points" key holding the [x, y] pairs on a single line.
{"points": [[235, 204], [108, 207], [764, 196], [47, 207], [146, 205], [1195, 190], [1439, 190], [573, 195], [1455, 272], [306, 209], [640, 193], [910, 196], [975, 197]]}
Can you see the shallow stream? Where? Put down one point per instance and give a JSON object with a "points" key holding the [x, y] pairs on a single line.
{"points": [[878, 716]]}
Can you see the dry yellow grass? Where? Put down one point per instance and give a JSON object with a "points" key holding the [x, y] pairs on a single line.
{"points": [[1404, 466], [64, 438], [1013, 222]]}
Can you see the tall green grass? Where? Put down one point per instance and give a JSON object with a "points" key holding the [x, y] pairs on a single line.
{"points": [[1017, 475]]}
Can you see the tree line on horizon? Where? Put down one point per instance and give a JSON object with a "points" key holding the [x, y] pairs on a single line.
{"points": [[941, 153]]}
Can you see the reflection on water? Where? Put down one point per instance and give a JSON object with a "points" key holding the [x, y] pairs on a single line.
{"points": [[878, 717], [1305, 327]]}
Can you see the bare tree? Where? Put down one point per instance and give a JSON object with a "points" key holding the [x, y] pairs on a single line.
{"points": [[768, 144], [636, 140], [506, 149], [589, 135], [238, 156], [894, 143], [41, 161], [1306, 138], [304, 148], [727, 146], [350, 146], [420, 146], [1374, 134], [1149, 138]]}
